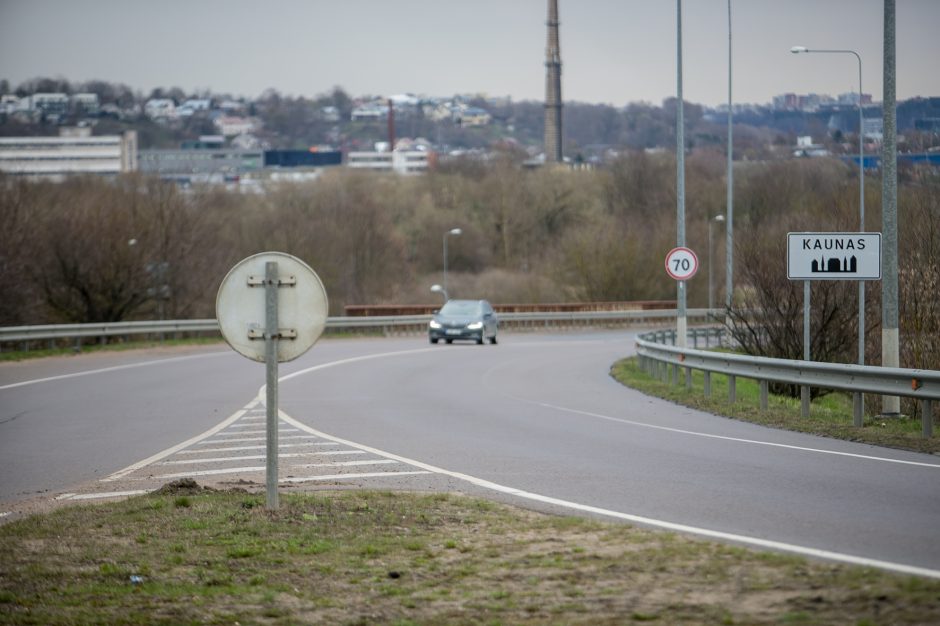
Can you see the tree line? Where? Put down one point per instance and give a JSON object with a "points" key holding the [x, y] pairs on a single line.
{"points": [[97, 250]]}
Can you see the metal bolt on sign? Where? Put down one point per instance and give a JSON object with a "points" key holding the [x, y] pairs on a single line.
{"points": [[271, 308]]}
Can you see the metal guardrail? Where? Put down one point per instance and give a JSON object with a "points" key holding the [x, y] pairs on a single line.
{"points": [[386, 325], [656, 357]]}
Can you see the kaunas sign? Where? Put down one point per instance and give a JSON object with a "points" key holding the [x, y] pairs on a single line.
{"points": [[834, 256]]}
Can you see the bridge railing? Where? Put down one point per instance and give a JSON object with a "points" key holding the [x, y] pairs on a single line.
{"points": [[661, 358]]}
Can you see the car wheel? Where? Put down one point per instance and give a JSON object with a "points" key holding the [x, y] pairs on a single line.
{"points": [[480, 340], [432, 339], [493, 340], [448, 341]]}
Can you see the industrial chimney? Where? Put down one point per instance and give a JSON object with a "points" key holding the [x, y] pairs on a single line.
{"points": [[553, 136]]}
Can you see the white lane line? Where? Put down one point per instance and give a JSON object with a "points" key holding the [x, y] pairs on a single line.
{"points": [[159, 456], [245, 448], [255, 432], [345, 464], [116, 368], [735, 439], [255, 457], [5, 513], [102, 495], [307, 479], [637, 519], [215, 442], [229, 470]]}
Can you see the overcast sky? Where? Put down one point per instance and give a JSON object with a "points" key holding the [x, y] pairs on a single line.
{"points": [[613, 51]]}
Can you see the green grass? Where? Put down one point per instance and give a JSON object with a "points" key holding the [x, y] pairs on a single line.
{"points": [[830, 415], [352, 557]]}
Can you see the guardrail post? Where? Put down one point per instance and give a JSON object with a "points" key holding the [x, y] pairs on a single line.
{"points": [[688, 378], [858, 409], [708, 383], [675, 374], [695, 338], [927, 418], [764, 392], [732, 389], [804, 401]]}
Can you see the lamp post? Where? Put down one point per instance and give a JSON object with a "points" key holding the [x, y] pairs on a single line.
{"points": [[452, 231], [859, 398], [711, 280], [440, 290]]}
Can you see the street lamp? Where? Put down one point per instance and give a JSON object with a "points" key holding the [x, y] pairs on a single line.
{"points": [[711, 280], [859, 398], [440, 290], [452, 231]]}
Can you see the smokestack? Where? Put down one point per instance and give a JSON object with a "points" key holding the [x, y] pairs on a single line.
{"points": [[553, 136]]}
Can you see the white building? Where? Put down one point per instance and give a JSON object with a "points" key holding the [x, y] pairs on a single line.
{"points": [[54, 158], [398, 161]]}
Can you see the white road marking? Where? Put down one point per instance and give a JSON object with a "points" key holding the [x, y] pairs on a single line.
{"points": [[5, 513], [735, 439], [214, 442], [243, 448], [637, 519], [116, 368], [307, 479], [345, 464], [256, 432], [102, 495], [229, 470], [255, 457], [169, 451]]}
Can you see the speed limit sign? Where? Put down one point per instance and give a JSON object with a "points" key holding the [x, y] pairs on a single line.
{"points": [[681, 263]]}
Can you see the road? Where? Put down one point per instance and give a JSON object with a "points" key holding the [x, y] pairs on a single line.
{"points": [[535, 420]]}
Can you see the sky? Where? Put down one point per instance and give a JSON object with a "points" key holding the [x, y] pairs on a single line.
{"points": [[613, 51]]}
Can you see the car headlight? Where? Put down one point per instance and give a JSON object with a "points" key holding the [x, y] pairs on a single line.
{"points": [[475, 326], [435, 324]]}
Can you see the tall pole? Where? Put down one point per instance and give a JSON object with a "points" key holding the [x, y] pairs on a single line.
{"points": [[729, 235], [859, 399], [452, 231], [553, 102], [890, 337], [681, 321]]}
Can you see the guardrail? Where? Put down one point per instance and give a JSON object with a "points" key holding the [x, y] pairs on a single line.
{"points": [[656, 356], [385, 325]]}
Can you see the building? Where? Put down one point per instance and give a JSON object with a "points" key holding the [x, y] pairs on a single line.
{"points": [[398, 161], [74, 152], [201, 165]]}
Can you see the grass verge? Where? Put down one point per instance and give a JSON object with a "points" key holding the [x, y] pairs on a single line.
{"points": [[830, 416], [361, 557]]}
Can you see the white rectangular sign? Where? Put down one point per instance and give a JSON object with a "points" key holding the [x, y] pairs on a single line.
{"points": [[834, 256]]}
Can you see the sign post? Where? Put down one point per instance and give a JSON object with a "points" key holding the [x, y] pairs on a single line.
{"points": [[277, 325], [681, 265], [834, 256]]}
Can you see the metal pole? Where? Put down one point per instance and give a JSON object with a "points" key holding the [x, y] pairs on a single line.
{"points": [[711, 278], [270, 357], [681, 322], [890, 337], [729, 235], [804, 390], [445, 262], [859, 400]]}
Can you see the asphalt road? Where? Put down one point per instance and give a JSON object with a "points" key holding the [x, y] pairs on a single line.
{"points": [[537, 417]]}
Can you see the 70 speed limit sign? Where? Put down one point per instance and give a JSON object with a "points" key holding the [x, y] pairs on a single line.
{"points": [[681, 263]]}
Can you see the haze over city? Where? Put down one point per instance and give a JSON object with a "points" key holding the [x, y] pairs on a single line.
{"points": [[613, 51]]}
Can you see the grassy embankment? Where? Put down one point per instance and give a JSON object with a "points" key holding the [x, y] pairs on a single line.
{"points": [[830, 416], [356, 557]]}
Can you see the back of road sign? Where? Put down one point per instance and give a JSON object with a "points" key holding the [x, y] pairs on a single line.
{"points": [[302, 306]]}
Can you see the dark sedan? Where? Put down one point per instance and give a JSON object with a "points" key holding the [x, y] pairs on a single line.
{"points": [[464, 319]]}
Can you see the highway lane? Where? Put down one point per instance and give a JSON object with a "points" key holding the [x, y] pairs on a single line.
{"points": [[541, 414], [538, 413]]}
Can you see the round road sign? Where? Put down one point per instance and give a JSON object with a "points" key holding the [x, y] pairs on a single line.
{"points": [[302, 306], [681, 263]]}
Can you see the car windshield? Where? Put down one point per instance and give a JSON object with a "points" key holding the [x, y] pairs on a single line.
{"points": [[461, 307]]}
